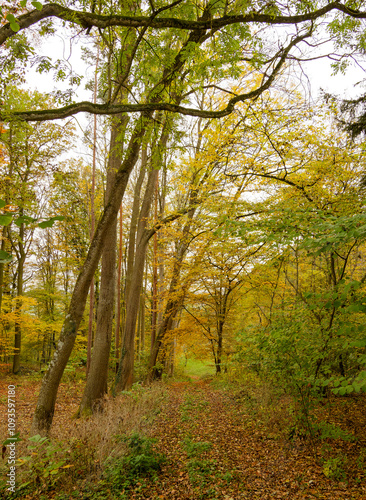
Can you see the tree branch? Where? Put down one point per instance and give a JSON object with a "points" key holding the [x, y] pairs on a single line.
{"points": [[113, 109], [88, 20]]}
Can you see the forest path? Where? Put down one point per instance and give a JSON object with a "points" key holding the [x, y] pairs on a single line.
{"points": [[217, 451]]}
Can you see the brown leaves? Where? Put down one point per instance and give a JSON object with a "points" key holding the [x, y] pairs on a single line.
{"points": [[250, 460]]}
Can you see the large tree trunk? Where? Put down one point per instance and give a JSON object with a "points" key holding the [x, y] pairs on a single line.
{"points": [[134, 222], [118, 298], [96, 384], [92, 220], [47, 398], [124, 377]]}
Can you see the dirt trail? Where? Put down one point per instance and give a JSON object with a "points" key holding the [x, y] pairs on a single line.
{"points": [[239, 461]]}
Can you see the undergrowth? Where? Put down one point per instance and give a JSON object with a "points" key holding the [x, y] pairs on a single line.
{"points": [[90, 450]]}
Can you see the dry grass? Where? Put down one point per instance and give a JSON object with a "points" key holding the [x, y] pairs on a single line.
{"points": [[85, 443], [126, 414]]}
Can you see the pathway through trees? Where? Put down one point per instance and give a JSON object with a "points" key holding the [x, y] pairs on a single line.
{"points": [[218, 450], [220, 444]]}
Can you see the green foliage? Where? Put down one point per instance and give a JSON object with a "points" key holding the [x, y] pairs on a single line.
{"points": [[5, 257], [13, 439], [199, 468], [13, 23], [343, 386], [195, 448], [12, 19], [303, 359], [141, 461], [6, 219], [331, 431], [191, 406], [45, 465], [333, 468]]}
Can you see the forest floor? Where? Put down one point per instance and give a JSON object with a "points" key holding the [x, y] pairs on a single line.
{"points": [[225, 443], [247, 454]]}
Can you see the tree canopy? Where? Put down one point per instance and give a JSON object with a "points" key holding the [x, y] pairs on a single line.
{"points": [[205, 37]]}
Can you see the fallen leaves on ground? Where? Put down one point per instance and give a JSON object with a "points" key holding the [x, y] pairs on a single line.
{"points": [[245, 461], [245, 456]]}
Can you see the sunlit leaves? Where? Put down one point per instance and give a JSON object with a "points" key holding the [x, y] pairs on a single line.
{"points": [[35, 4], [50, 222], [12, 19], [5, 220], [13, 23]]}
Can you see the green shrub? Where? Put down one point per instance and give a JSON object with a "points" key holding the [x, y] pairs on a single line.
{"points": [[141, 461], [45, 465]]}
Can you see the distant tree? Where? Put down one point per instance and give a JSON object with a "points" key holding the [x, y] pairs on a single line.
{"points": [[30, 155]]}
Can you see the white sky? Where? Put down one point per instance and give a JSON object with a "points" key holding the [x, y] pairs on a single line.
{"points": [[318, 73], [320, 76]]}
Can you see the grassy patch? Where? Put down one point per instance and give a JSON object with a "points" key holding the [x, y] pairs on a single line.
{"points": [[195, 368], [200, 469], [191, 407]]}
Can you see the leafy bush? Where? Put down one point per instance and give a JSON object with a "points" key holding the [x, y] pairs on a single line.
{"points": [[45, 465], [141, 461]]}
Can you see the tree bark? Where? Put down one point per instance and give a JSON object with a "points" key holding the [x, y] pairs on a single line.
{"points": [[18, 304], [43, 416], [119, 275], [134, 222], [96, 384], [92, 220], [154, 299], [124, 377]]}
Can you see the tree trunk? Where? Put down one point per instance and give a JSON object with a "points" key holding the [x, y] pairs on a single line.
{"points": [[92, 220], [18, 303], [43, 416], [119, 275], [124, 377], [96, 384], [218, 359], [134, 221], [154, 299]]}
